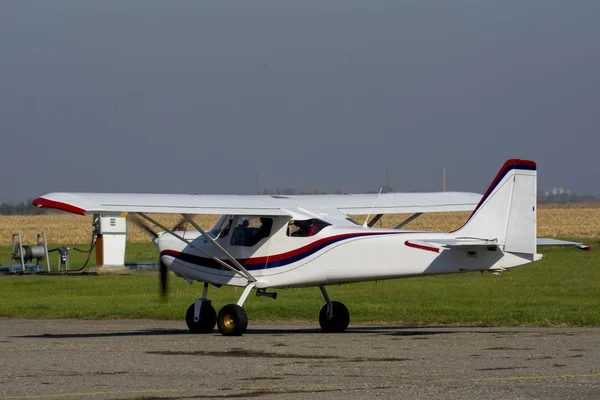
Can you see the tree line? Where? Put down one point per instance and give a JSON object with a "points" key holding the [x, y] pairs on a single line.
{"points": [[22, 208]]}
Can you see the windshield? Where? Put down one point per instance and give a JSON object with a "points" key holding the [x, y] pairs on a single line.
{"points": [[221, 228]]}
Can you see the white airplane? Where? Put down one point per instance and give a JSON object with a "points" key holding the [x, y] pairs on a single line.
{"points": [[270, 242]]}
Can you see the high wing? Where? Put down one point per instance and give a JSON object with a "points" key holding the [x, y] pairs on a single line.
{"points": [[389, 203], [86, 203], [394, 203]]}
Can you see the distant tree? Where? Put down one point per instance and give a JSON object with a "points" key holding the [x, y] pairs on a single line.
{"points": [[22, 208], [6, 209], [318, 191]]}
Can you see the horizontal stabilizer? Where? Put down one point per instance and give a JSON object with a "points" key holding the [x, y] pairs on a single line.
{"points": [[439, 245], [556, 242]]}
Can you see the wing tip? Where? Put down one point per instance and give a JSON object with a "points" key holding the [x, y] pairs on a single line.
{"points": [[42, 202]]}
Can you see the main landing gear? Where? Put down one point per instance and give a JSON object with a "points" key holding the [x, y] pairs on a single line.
{"points": [[334, 316]]}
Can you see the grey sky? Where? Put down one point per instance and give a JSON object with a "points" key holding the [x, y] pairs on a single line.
{"points": [[193, 96]]}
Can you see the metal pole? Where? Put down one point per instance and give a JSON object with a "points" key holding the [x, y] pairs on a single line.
{"points": [[444, 179], [407, 220], [21, 251], [46, 248], [12, 259]]}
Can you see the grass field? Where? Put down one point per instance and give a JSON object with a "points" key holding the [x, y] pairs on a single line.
{"points": [[562, 289]]}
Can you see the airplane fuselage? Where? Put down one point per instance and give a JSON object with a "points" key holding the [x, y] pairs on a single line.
{"points": [[336, 255]]}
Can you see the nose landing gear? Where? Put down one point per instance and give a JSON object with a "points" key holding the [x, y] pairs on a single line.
{"points": [[206, 321], [201, 316]]}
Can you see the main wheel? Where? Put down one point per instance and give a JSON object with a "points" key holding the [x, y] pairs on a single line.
{"points": [[339, 320], [232, 320], [206, 322]]}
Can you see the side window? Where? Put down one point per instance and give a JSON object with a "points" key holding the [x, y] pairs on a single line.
{"points": [[306, 227], [250, 230]]}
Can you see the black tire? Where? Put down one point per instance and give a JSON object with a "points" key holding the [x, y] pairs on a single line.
{"points": [[207, 321], [232, 320], [339, 321]]}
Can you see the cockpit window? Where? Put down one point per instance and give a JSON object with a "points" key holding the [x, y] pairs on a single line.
{"points": [[306, 227], [250, 230], [222, 227]]}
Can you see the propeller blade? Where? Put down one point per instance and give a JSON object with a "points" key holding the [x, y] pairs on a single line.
{"points": [[164, 278], [143, 226], [164, 270]]}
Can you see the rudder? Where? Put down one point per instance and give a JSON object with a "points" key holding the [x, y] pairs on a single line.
{"points": [[507, 210]]}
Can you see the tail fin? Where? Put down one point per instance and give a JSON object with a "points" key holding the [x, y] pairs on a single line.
{"points": [[507, 210]]}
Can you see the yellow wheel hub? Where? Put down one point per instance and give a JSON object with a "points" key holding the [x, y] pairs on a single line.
{"points": [[229, 322]]}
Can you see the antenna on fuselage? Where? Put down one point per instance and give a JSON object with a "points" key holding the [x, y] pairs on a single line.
{"points": [[373, 206]]}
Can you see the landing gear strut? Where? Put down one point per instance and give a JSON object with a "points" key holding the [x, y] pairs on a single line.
{"points": [[232, 319], [334, 316], [201, 316], [206, 322]]}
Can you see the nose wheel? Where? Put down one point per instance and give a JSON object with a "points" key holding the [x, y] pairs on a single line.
{"points": [[206, 320], [201, 316]]}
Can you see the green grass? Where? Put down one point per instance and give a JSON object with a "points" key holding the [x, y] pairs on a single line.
{"points": [[562, 289]]}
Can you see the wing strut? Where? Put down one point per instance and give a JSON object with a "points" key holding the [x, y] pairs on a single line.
{"points": [[374, 220], [408, 220], [219, 247], [245, 274]]}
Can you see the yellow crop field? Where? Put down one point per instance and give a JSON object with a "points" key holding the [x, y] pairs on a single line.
{"points": [[70, 228], [553, 221]]}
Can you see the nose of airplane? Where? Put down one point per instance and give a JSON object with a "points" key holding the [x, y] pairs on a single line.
{"points": [[156, 239]]}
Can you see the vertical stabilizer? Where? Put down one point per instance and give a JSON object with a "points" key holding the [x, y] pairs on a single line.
{"points": [[507, 210]]}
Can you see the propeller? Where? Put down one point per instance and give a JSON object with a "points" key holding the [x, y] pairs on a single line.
{"points": [[164, 270]]}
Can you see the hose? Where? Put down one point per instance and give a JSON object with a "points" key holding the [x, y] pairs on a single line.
{"points": [[89, 251]]}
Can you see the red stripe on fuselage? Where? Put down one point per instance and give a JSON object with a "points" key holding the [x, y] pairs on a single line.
{"points": [[422, 246], [295, 252], [316, 243]]}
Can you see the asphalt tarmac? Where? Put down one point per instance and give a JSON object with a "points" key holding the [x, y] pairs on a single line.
{"points": [[78, 359]]}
